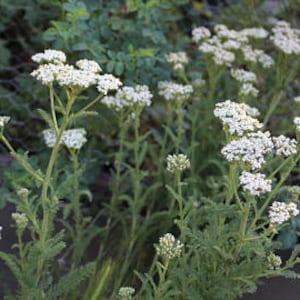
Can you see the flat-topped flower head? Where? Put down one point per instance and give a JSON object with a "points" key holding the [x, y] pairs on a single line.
{"points": [[177, 163], [257, 56], [237, 117], [88, 65], [126, 292], [169, 247], [3, 121], [284, 146], [108, 82], [200, 33], [250, 149], [177, 60], [247, 89], [297, 123], [242, 75], [274, 261], [172, 91], [50, 56], [72, 138], [255, 32], [255, 184], [280, 212], [129, 98], [286, 38]]}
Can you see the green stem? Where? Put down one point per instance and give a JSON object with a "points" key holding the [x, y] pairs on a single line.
{"points": [[24, 164], [90, 104], [162, 279], [179, 127], [180, 205], [53, 109]]}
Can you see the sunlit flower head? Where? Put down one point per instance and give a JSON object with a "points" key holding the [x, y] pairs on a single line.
{"points": [[169, 247]]}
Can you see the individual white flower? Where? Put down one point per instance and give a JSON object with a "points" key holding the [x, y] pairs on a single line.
{"points": [[200, 33], [50, 56], [285, 146], [126, 292], [177, 163], [88, 65], [256, 183], [74, 138], [285, 38], [243, 75], [250, 149], [280, 212], [297, 123], [129, 97], [108, 82], [172, 91], [3, 121], [297, 99], [274, 261], [177, 59], [238, 117], [247, 89], [169, 247]]}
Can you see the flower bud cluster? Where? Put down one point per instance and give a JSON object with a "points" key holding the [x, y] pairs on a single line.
{"points": [[3, 121], [169, 247], [177, 163], [274, 261], [20, 219], [280, 212], [255, 184]]}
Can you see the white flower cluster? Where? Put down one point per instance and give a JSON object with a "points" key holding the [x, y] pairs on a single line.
{"points": [[285, 146], [169, 247], [172, 91], [126, 292], [250, 149], [222, 45], [88, 65], [257, 56], [177, 163], [200, 33], [297, 99], [50, 56], [129, 97], [20, 219], [280, 212], [256, 183], [84, 74], [237, 116], [108, 82], [243, 75], [177, 60], [297, 123], [274, 261], [3, 121], [285, 38], [247, 89], [72, 138]]}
